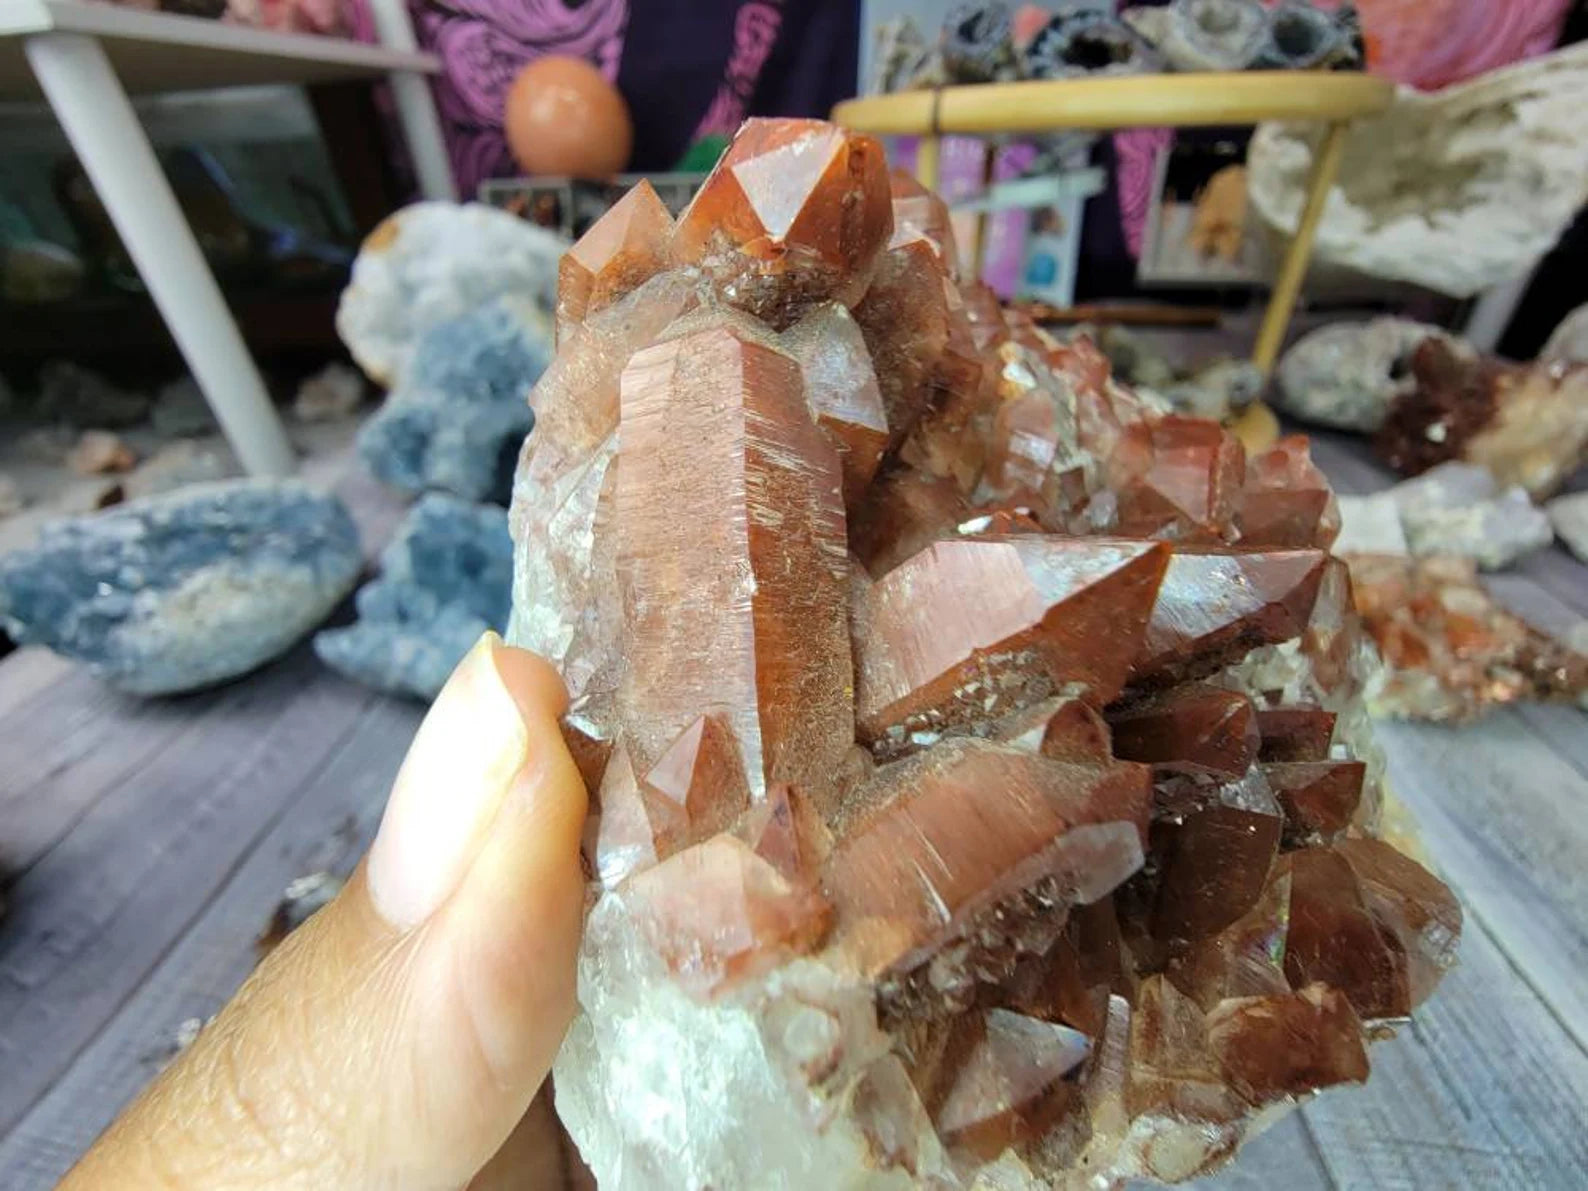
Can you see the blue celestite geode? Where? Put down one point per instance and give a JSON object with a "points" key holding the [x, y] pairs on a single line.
{"points": [[186, 589], [456, 417], [446, 578]]}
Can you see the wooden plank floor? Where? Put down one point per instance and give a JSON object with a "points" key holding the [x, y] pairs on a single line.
{"points": [[145, 844]]}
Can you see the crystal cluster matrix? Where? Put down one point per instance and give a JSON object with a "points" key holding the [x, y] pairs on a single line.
{"points": [[981, 791]]}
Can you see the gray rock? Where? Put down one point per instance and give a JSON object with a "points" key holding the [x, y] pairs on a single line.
{"points": [[178, 464], [11, 498], [1197, 35], [445, 579], [180, 410], [1493, 533], [431, 263], [1569, 517], [1346, 375], [73, 394], [457, 418], [184, 590]]}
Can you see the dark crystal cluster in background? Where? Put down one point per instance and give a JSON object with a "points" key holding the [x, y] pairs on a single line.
{"points": [[983, 43], [981, 786]]}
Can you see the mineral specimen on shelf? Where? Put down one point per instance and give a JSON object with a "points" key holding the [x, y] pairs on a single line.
{"points": [[960, 726], [1347, 375], [180, 410], [1492, 163], [1528, 424], [457, 416], [72, 394], [11, 498], [1086, 42], [184, 590], [1569, 517], [179, 463], [435, 262], [98, 452], [446, 578], [1450, 652], [1458, 509]]}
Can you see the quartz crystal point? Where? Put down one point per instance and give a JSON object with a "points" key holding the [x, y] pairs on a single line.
{"points": [[970, 629], [730, 558], [626, 246], [795, 213], [981, 789]]}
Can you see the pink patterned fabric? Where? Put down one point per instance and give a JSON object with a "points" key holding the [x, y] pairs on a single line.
{"points": [[755, 29], [1433, 43]]}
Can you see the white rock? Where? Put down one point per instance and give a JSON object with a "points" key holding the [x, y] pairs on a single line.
{"points": [[1569, 516], [1457, 190], [1346, 375], [1493, 533], [11, 498], [431, 263], [1370, 525]]}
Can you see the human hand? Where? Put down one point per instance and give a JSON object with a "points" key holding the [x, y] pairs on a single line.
{"points": [[397, 1037]]}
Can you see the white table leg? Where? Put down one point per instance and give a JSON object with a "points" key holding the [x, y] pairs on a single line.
{"points": [[99, 121], [416, 106]]}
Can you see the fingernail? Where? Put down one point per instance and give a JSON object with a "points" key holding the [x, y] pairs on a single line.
{"points": [[460, 766]]}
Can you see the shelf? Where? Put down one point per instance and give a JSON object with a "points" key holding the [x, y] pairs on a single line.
{"points": [[1128, 101], [153, 51]]}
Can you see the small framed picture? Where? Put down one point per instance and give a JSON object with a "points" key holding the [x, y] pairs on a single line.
{"points": [[1197, 232]]}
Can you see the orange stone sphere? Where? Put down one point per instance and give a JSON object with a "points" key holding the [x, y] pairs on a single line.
{"points": [[563, 117]]}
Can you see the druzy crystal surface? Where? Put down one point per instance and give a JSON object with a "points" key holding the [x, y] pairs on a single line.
{"points": [[981, 793]]}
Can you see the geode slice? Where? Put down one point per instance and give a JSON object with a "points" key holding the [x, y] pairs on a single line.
{"points": [[981, 789]]}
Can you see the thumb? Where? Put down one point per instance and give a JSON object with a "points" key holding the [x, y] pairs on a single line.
{"points": [[397, 1038]]}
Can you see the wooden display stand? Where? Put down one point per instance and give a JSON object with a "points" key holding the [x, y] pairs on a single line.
{"points": [[1164, 101]]}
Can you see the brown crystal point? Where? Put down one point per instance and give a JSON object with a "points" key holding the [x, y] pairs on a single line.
{"points": [[635, 827], [795, 213], [1193, 728], [903, 513], [1214, 608], [1334, 632], [590, 751], [1031, 454], [1295, 733], [968, 630], [1063, 729], [717, 912], [701, 774], [914, 871], [1246, 958], [841, 390], [1335, 938], [1071, 982], [1287, 503], [623, 248], [1000, 523], [1179, 478], [1215, 865], [731, 560], [1272, 1047], [1415, 907], [1012, 1087], [1319, 797], [917, 331], [919, 212], [1174, 1085]]}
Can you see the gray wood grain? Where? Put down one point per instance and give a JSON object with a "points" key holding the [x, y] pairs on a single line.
{"points": [[1483, 1090], [325, 825], [88, 921], [1503, 813], [28, 672]]}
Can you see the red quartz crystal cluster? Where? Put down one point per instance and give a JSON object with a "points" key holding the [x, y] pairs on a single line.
{"points": [[901, 637]]}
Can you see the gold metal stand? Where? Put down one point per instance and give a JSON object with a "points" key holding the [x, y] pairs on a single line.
{"points": [[1167, 100]]}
